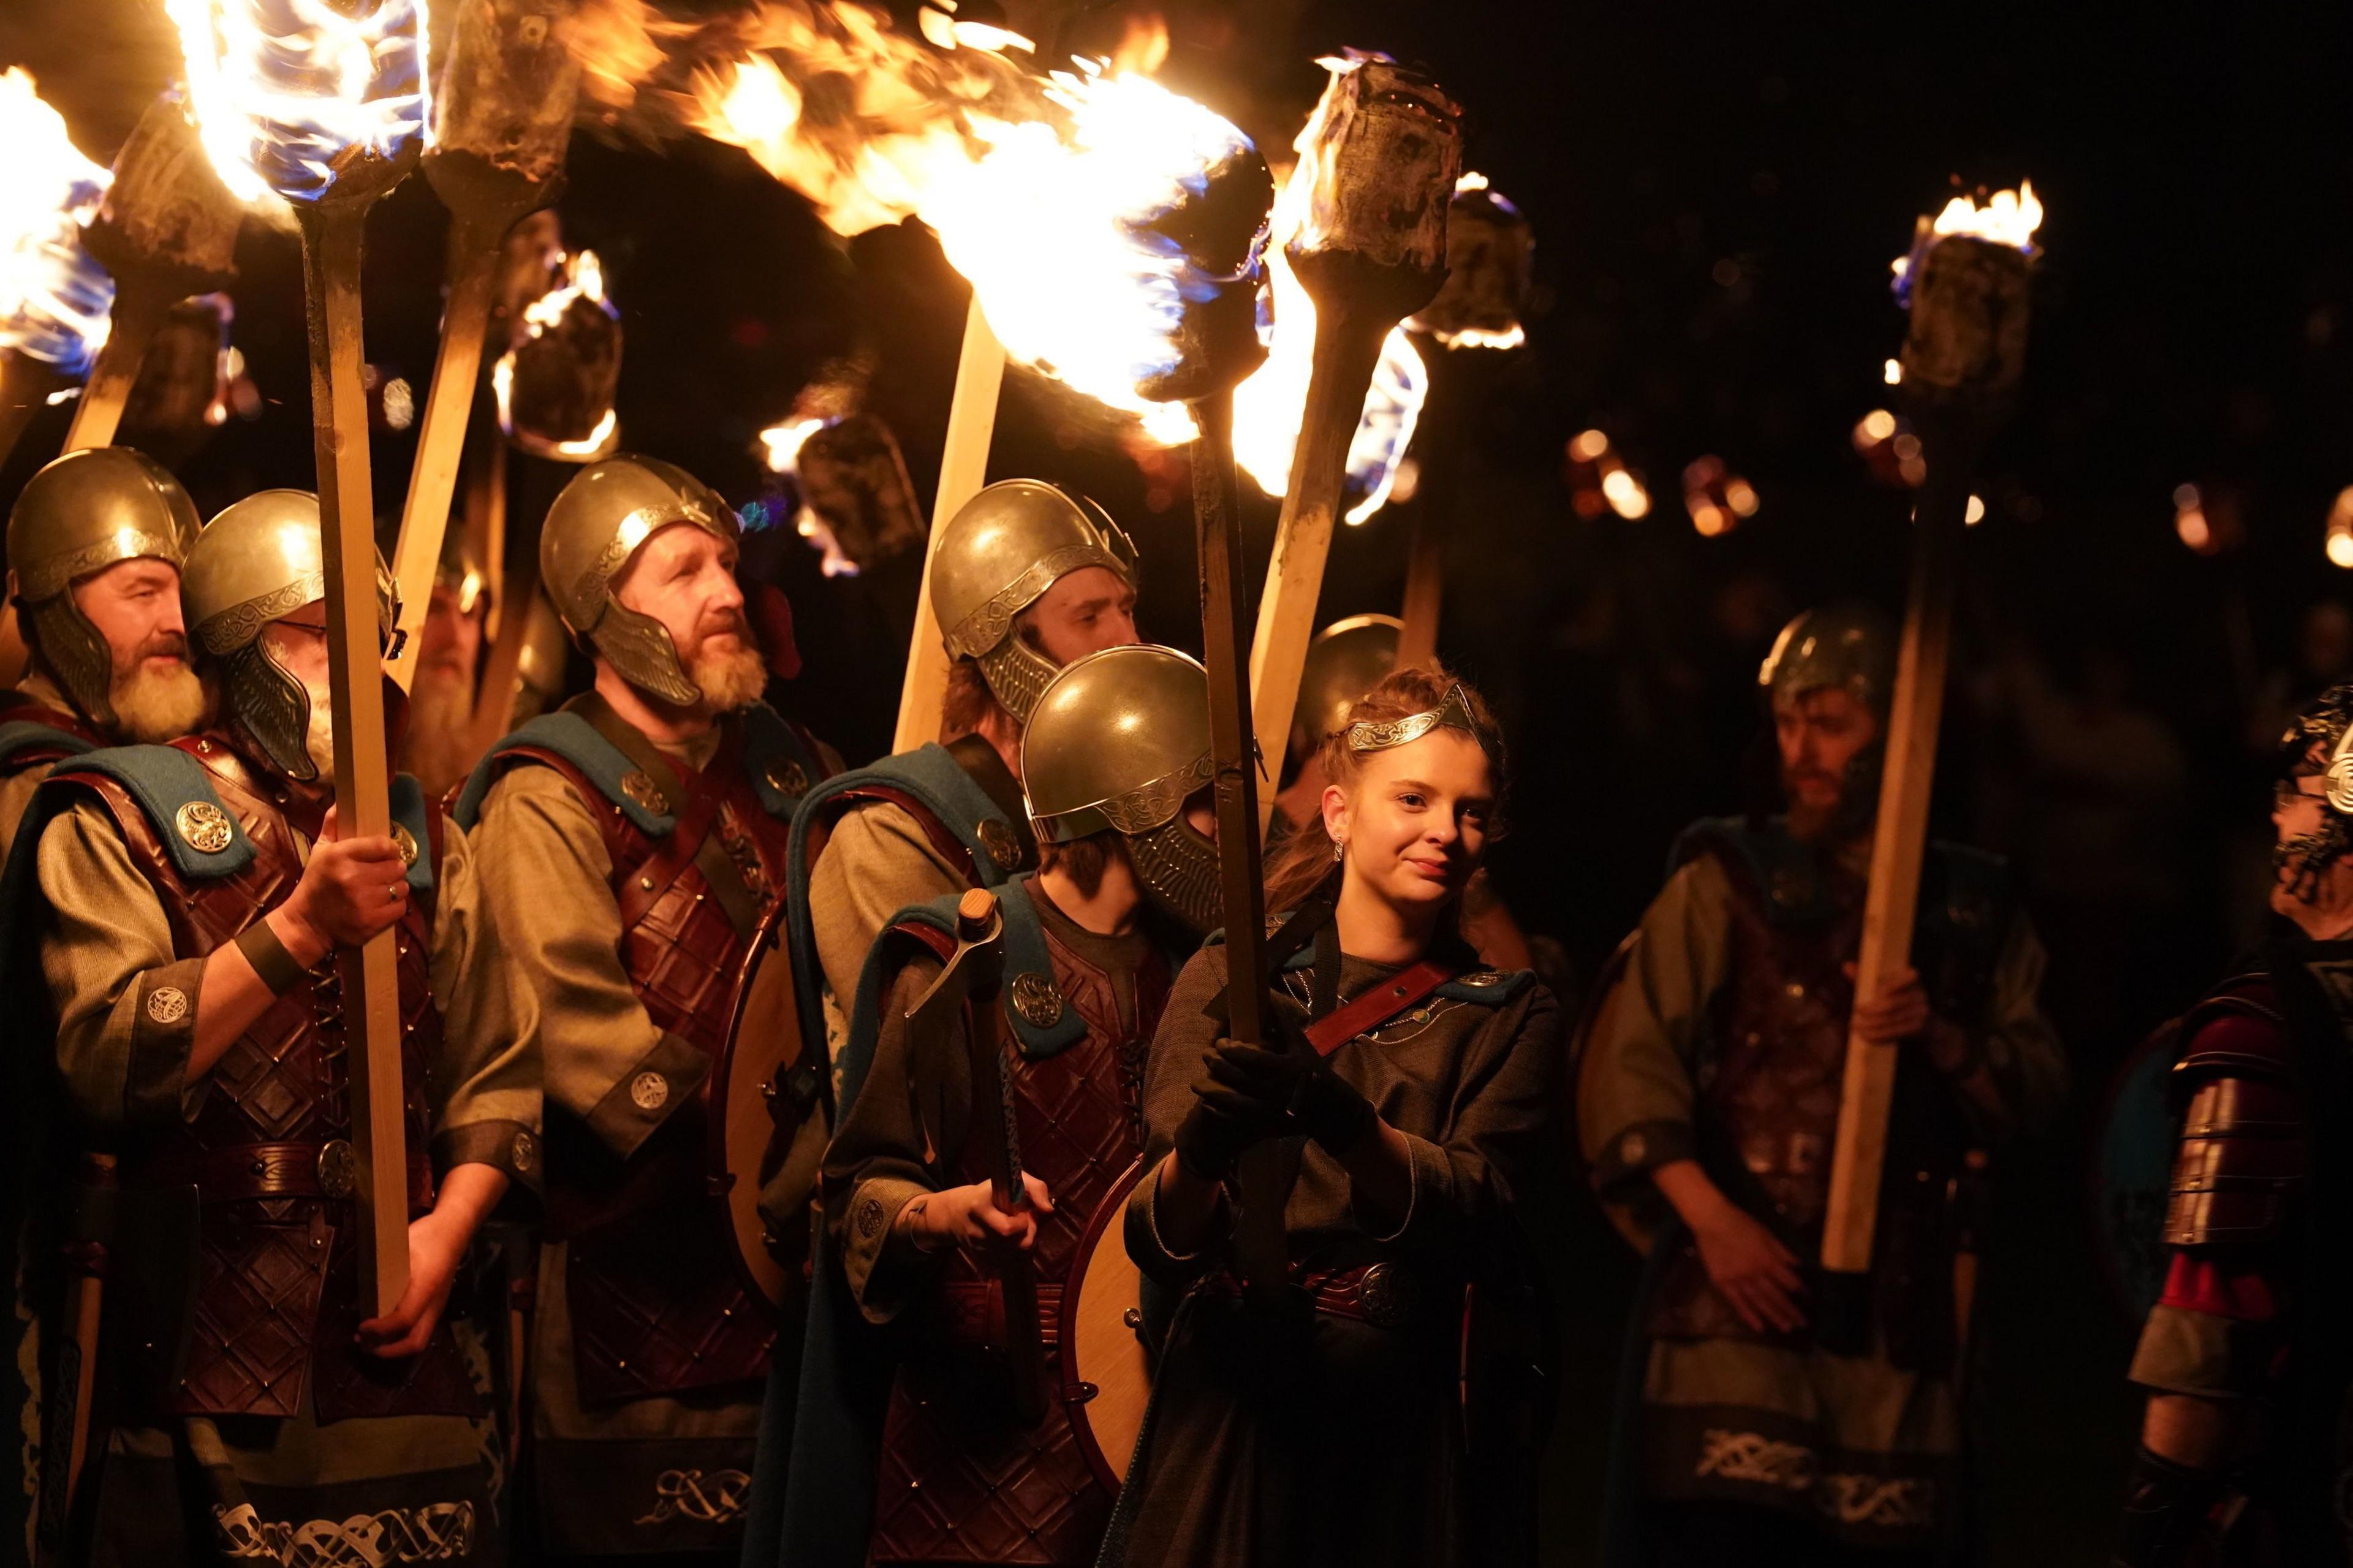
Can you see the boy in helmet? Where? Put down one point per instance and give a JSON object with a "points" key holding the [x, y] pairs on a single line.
{"points": [[177, 913], [634, 845], [1787, 1417], [1116, 756], [95, 542], [1024, 579]]}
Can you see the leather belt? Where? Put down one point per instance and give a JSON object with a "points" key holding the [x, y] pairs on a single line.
{"points": [[975, 1310], [1386, 1294], [308, 1170]]}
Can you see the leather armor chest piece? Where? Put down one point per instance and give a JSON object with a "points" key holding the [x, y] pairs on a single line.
{"points": [[276, 1300], [1781, 1021], [656, 1303], [960, 1482]]}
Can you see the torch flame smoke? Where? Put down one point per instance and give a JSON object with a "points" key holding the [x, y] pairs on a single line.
{"points": [[284, 90], [54, 298]]}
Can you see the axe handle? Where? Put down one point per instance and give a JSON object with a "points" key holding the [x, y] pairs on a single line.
{"points": [[1025, 1334]]}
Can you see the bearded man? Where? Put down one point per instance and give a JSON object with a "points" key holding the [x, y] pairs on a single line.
{"points": [[95, 542], [1788, 1416], [635, 844], [2245, 1358], [176, 915], [439, 744]]}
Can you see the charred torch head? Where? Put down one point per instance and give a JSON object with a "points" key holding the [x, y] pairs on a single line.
{"points": [[502, 110], [1968, 280], [167, 214], [1378, 166]]}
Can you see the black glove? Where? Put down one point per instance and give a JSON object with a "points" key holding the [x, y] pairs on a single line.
{"points": [[2166, 1505], [1226, 1119], [1320, 1104]]}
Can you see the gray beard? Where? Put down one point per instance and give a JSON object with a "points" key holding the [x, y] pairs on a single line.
{"points": [[729, 681], [320, 740], [152, 707], [441, 731]]}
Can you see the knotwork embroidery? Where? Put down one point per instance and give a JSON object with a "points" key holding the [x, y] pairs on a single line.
{"points": [[1754, 1457], [714, 1497], [1907, 1503], [438, 1533]]}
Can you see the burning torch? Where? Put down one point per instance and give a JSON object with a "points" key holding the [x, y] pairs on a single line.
{"points": [[1368, 209], [1489, 248], [327, 111], [166, 229], [1967, 282], [53, 296], [496, 139]]}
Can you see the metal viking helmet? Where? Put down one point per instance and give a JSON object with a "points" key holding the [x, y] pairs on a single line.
{"points": [[81, 514], [1851, 647], [1119, 740], [1001, 550], [257, 562], [598, 522], [1347, 660], [2324, 725]]}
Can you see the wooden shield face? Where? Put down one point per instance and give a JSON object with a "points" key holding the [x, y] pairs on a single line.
{"points": [[1106, 1377], [764, 1159]]}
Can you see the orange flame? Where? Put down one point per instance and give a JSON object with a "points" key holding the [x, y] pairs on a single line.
{"points": [[284, 90], [54, 298]]}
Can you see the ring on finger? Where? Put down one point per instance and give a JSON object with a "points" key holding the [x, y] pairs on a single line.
{"points": [[392, 892]]}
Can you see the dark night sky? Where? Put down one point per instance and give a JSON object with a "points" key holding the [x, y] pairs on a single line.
{"points": [[1718, 190]]}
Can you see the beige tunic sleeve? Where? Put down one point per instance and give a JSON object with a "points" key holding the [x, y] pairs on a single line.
{"points": [[877, 861], [546, 885], [125, 1005], [16, 793], [1635, 1092], [486, 1085]]}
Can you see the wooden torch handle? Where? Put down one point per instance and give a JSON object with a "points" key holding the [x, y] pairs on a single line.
{"points": [[332, 236], [441, 433], [1347, 348], [140, 310], [963, 469], [1899, 842]]}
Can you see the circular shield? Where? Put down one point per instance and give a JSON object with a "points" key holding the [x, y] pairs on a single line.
{"points": [[2132, 1173], [764, 1159], [1106, 1373]]}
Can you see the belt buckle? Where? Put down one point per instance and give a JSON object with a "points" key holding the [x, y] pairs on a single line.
{"points": [[1385, 1295], [339, 1169]]}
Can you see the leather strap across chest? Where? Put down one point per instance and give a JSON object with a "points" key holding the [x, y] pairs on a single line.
{"points": [[643, 885], [1401, 993]]}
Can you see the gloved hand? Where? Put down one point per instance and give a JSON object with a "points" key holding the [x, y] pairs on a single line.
{"points": [[1231, 1113], [2165, 1513], [1319, 1103]]}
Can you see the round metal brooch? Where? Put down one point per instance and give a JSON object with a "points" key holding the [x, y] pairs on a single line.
{"points": [[1035, 998], [204, 827], [1004, 847]]}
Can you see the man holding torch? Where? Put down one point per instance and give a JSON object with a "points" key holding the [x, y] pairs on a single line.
{"points": [[176, 913], [634, 846], [1789, 1414], [95, 543]]}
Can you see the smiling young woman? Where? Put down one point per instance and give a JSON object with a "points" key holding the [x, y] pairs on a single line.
{"points": [[1409, 1088]]}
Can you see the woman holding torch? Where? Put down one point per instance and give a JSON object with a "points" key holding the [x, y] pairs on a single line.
{"points": [[1415, 1091]]}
